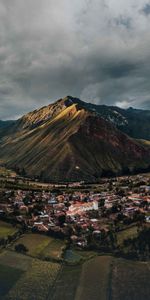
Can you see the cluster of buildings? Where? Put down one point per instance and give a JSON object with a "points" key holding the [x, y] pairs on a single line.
{"points": [[78, 214]]}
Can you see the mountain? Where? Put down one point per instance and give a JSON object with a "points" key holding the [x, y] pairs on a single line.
{"points": [[72, 140], [6, 124], [134, 122]]}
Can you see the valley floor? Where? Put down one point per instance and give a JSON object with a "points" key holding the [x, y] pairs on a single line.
{"points": [[52, 268], [100, 278]]}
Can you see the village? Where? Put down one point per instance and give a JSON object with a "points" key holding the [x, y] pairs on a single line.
{"points": [[87, 217]]}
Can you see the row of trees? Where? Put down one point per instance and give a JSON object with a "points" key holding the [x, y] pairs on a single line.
{"points": [[10, 238]]}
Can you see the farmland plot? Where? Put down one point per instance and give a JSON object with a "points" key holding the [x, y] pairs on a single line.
{"points": [[25, 278], [36, 283], [130, 280]]}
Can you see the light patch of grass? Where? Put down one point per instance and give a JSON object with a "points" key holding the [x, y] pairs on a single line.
{"points": [[35, 243], [41, 246], [6, 229], [54, 249], [125, 234]]}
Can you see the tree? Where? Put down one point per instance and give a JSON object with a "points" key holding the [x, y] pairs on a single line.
{"points": [[42, 176], [23, 172], [62, 219], [102, 202], [21, 248]]}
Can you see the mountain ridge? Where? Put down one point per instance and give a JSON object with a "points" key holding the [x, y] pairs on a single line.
{"points": [[69, 140], [134, 122]]}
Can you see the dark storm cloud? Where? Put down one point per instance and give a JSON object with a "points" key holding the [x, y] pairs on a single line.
{"points": [[96, 50], [120, 70], [146, 9]]}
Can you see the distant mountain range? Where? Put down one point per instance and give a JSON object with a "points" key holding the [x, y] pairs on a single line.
{"points": [[4, 124], [74, 140]]}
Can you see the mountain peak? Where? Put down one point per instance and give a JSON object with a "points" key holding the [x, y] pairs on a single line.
{"points": [[128, 120], [45, 113], [69, 100]]}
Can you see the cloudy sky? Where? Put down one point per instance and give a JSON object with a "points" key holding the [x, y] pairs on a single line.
{"points": [[98, 50]]}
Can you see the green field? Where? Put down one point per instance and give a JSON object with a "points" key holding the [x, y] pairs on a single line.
{"points": [[85, 255], [73, 256], [41, 246], [125, 234], [6, 229], [53, 249], [23, 277]]}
